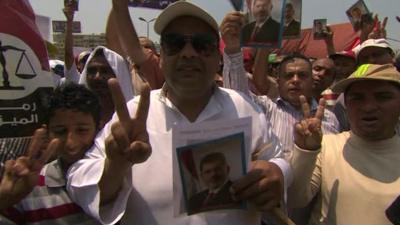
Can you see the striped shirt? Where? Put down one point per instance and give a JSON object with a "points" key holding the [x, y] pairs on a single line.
{"points": [[49, 202], [281, 114]]}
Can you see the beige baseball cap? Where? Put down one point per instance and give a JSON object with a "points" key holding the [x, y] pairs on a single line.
{"points": [[379, 43], [386, 72], [183, 8]]}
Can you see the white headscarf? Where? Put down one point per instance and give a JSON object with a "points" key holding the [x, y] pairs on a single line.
{"points": [[120, 68]]}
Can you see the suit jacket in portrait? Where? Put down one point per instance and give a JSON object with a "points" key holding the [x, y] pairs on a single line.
{"points": [[268, 33], [222, 199], [292, 30]]}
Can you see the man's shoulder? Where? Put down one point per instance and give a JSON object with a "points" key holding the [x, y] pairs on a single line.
{"points": [[272, 22]]}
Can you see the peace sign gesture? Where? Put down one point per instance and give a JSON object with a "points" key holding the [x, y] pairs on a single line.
{"points": [[128, 142], [379, 30], [308, 132], [21, 175]]}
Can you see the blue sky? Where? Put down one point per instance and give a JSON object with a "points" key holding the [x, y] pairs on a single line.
{"points": [[93, 14]]}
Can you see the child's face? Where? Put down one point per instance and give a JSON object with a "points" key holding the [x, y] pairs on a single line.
{"points": [[76, 129]]}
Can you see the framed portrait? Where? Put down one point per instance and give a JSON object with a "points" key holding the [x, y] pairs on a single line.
{"points": [[207, 171], [292, 19], [319, 29], [358, 12], [264, 23]]}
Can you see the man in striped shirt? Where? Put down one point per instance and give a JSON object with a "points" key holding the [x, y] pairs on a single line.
{"points": [[30, 194], [294, 79]]}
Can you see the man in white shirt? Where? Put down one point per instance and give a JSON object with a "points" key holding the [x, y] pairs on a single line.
{"points": [[112, 184]]}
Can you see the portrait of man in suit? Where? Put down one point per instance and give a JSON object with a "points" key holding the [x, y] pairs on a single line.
{"points": [[356, 13], [214, 172], [291, 26], [264, 29]]}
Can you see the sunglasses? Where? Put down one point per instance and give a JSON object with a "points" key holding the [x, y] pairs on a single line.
{"points": [[204, 44]]}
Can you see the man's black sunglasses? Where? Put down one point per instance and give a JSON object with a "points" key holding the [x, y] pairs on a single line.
{"points": [[204, 44]]}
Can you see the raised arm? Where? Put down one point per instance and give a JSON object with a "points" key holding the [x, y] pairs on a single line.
{"points": [[71, 72], [373, 28], [330, 46], [127, 34], [305, 161], [234, 74], [127, 144], [69, 41], [112, 37], [260, 72]]}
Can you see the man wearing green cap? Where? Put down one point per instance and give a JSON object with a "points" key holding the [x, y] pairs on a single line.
{"points": [[354, 174]]}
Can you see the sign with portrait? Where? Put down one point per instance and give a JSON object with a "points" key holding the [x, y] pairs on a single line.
{"points": [[264, 23], [208, 170], [292, 19], [356, 13], [192, 143], [320, 31]]}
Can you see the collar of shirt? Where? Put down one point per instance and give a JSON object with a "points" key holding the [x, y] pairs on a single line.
{"points": [[262, 23], [54, 176], [213, 107], [215, 191], [282, 102], [287, 23]]}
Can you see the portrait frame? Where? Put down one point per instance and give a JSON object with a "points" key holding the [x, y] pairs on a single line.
{"points": [[293, 30], [320, 29], [359, 8], [271, 32], [189, 157]]}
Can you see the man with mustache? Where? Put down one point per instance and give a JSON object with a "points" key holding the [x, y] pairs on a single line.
{"points": [[214, 172], [354, 174], [294, 79], [119, 180], [264, 28]]}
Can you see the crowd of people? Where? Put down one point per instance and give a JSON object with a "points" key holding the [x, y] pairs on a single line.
{"points": [[323, 149]]}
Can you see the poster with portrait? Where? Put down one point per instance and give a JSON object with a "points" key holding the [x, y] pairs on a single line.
{"points": [[264, 23], [195, 135], [25, 78], [356, 13], [208, 170], [154, 4], [75, 4], [292, 19], [320, 31]]}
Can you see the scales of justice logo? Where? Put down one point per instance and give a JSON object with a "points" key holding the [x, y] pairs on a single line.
{"points": [[21, 72], [22, 62]]}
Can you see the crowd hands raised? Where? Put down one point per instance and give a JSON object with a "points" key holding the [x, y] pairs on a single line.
{"points": [[115, 166]]}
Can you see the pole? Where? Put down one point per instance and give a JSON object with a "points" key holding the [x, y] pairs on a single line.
{"points": [[147, 24]]}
